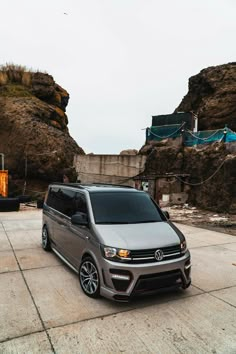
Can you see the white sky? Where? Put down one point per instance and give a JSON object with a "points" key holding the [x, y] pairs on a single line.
{"points": [[122, 61]]}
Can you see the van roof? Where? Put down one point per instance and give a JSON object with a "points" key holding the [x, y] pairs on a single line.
{"points": [[96, 187]]}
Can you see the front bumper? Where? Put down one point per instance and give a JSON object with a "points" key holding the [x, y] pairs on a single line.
{"points": [[122, 281]]}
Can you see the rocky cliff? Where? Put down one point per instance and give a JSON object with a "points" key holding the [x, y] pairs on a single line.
{"points": [[211, 167], [211, 170], [33, 125], [212, 95]]}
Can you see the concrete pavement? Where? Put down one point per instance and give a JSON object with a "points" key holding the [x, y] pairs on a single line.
{"points": [[43, 310]]}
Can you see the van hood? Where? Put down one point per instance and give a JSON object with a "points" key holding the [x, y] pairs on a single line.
{"points": [[138, 236]]}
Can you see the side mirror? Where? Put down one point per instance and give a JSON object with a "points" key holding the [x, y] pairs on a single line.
{"points": [[167, 215], [79, 219]]}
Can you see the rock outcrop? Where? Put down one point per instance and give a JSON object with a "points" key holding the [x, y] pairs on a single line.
{"points": [[211, 170], [34, 136], [212, 96], [212, 167]]}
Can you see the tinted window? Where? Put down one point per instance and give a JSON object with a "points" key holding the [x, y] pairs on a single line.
{"points": [[62, 200], [67, 201], [121, 207], [80, 204], [51, 200]]}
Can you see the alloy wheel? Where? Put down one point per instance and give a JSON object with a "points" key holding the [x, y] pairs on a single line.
{"points": [[45, 239], [89, 278]]}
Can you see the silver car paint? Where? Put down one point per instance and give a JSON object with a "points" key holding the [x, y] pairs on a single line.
{"points": [[140, 269], [137, 236], [128, 236]]}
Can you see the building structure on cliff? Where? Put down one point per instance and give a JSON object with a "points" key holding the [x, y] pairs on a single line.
{"points": [[184, 127], [165, 189], [184, 165], [208, 156], [163, 166]]}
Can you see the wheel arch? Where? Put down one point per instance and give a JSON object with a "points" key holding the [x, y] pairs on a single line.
{"points": [[91, 255]]}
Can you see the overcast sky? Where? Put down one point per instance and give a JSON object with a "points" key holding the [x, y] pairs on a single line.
{"points": [[121, 61]]}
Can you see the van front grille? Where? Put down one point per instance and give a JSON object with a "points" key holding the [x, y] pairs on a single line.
{"points": [[153, 282], [148, 255]]}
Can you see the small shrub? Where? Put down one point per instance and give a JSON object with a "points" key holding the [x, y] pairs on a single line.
{"points": [[16, 74], [26, 78], [3, 78], [13, 67]]}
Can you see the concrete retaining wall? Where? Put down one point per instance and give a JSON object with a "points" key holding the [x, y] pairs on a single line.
{"points": [[116, 169]]}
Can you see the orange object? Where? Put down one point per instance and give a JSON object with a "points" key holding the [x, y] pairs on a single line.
{"points": [[3, 183]]}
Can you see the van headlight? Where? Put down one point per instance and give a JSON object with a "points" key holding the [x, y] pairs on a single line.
{"points": [[115, 254], [183, 246]]}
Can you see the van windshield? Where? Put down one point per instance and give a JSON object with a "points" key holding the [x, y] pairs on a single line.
{"points": [[124, 208]]}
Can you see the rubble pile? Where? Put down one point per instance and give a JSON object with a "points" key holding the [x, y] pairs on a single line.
{"points": [[194, 216]]}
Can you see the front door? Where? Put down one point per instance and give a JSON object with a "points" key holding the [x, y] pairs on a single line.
{"points": [[78, 236]]}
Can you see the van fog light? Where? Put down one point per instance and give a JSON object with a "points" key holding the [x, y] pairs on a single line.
{"points": [[187, 266], [120, 277]]}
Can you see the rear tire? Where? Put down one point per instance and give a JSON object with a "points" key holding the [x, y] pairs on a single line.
{"points": [[46, 244], [89, 278]]}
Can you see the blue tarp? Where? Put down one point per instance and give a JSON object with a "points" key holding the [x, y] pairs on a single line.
{"points": [[208, 136], [163, 132], [190, 138]]}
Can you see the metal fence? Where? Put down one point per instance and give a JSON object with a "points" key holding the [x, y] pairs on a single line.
{"points": [[190, 138]]}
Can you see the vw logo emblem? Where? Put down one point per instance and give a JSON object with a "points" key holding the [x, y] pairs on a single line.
{"points": [[159, 255]]}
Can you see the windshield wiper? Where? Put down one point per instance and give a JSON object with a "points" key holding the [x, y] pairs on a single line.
{"points": [[149, 221], [125, 222], [112, 222]]}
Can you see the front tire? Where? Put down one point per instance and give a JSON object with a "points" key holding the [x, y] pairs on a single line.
{"points": [[89, 278], [46, 245], [186, 286]]}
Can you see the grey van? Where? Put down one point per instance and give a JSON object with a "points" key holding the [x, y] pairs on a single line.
{"points": [[116, 238]]}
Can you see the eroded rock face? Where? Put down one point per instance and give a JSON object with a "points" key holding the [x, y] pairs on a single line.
{"points": [[212, 95], [216, 161], [33, 126]]}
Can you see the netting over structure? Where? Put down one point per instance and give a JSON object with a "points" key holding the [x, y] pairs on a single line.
{"points": [[190, 138], [164, 132]]}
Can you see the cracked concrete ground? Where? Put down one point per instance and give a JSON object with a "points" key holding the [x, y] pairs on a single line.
{"points": [[43, 310]]}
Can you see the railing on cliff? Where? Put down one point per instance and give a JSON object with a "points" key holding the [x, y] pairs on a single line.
{"points": [[189, 138]]}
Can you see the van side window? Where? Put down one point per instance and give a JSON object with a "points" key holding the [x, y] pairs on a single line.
{"points": [[51, 200], [68, 202], [62, 200], [80, 204]]}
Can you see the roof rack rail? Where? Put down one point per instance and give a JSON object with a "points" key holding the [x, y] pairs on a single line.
{"points": [[111, 184], [84, 185], [78, 185]]}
